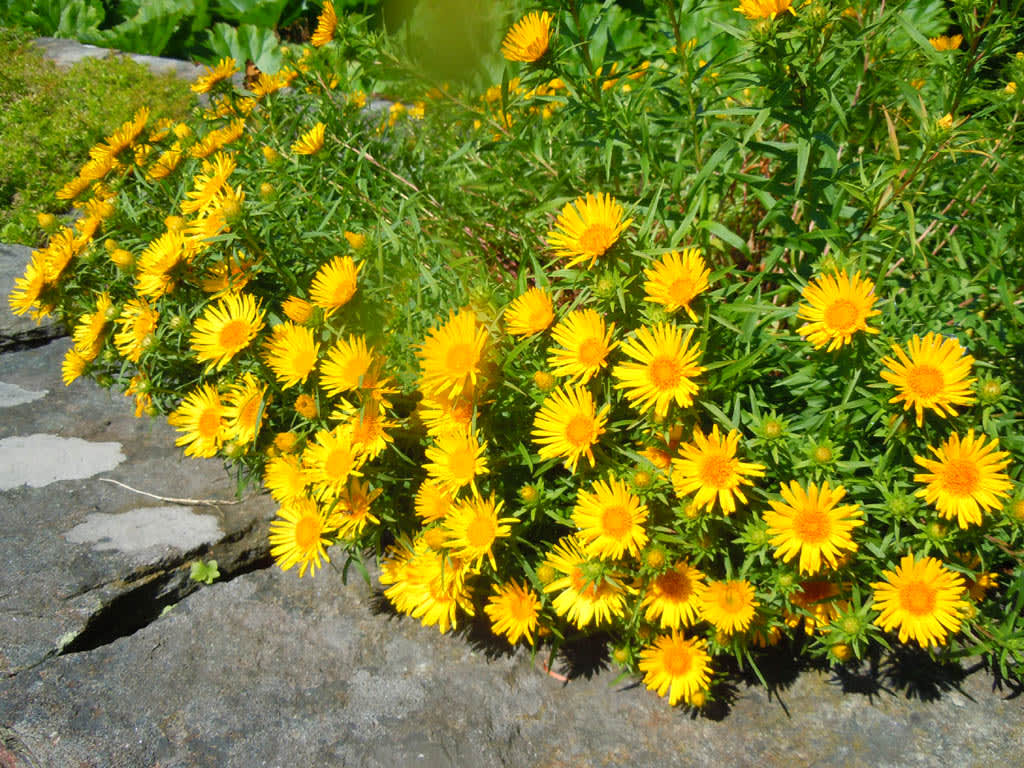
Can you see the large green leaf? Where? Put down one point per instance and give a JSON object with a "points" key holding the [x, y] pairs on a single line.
{"points": [[246, 42]]}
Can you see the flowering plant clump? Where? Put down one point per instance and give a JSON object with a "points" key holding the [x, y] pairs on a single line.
{"points": [[699, 333]]}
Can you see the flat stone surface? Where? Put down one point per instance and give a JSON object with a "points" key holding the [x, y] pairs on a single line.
{"points": [[19, 330], [270, 670], [64, 53], [73, 544]]}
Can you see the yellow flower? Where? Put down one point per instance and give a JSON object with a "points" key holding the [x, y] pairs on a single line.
{"points": [[530, 313], [809, 523], [709, 467], [369, 428], [584, 594], [456, 459], [676, 280], [25, 297], [513, 611], [586, 228], [88, 333], [935, 375], [298, 536], [201, 417], [334, 284], [764, 9], [165, 164], [610, 520], [305, 406], [664, 370], [816, 598], [921, 598], [584, 344], [528, 38], [837, 307], [946, 43], [433, 502], [207, 185], [284, 477], [331, 460], [728, 605], [291, 353], [297, 310], [325, 25], [445, 415], [673, 596], [347, 365], [426, 584], [243, 410], [225, 68], [472, 527], [72, 366], [676, 666], [966, 480], [568, 425], [352, 513], [311, 141], [450, 357], [225, 329]]}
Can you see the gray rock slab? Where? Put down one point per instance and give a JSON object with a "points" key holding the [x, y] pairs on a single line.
{"points": [[270, 670], [80, 556], [65, 53], [20, 330]]}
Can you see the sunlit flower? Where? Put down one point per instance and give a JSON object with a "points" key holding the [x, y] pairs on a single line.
{"points": [[473, 526], [708, 467], [676, 279], [135, 326], [610, 520], [966, 480], [934, 375], [208, 184], [585, 595], [810, 524], [346, 365], [946, 42], [568, 425], [764, 9], [672, 597], [285, 478], [331, 460], [224, 69], [922, 599], [244, 405], [587, 227], [728, 605], [451, 356], [664, 370], [837, 306], [297, 310], [225, 329], [325, 25], [446, 415], [584, 343], [200, 416], [299, 536], [455, 461], [432, 501], [530, 313], [351, 514], [676, 666], [291, 353], [426, 584], [513, 611], [311, 141], [72, 366], [528, 38], [89, 331]]}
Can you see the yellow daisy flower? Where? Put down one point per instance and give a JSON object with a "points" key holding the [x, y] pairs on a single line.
{"points": [[88, 333], [225, 329], [243, 409], [664, 370], [299, 536], [207, 185], [584, 596], [432, 501], [586, 228], [728, 605], [72, 366], [291, 353], [334, 284], [326, 23], [369, 427], [610, 520], [446, 415], [568, 425], [676, 280], [451, 356], [528, 38], [513, 610], [331, 460], [530, 313], [920, 598], [456, 460], [224, 69], [352, 513], [764, 9], [676, 666], [346, 365], [946, 42], [819, 607], [583, 345], [25, 297], [426, 584], [285, 478], [311, 142], [472, 527], [708, 467], [165, 164], [935, 375], [299, 311], [201, 417], [837, 306], [158, 270], [809, 523], [966, 479], [355, 239], [673, 596]]}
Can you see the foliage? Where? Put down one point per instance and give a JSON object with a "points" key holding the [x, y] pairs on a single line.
{"points": [[334, 293], [52, 117]]}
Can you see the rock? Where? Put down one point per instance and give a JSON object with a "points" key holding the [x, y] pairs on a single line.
{"points": [[83, 560], [270, 670], [18, 331], [64, 53]]}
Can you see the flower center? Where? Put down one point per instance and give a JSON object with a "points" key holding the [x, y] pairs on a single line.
{"points": [[234, 335], [677, 660], [960, 477], [480, 532], [841, 315], [303, 361], [536, 47], [616, 521], [539, 317], [917, 598], [675, 586], [459, 359], [342, 292], [596, 239], [681, 290], [307, 533], [925, 380], [811, 526], [355, 370], [580, 430], [338, 464], [249, 413], [462, 464], [209, 424], [665, 373], [716, 470], [591, 352], [521, 608], [730, 599], [580, 583]]}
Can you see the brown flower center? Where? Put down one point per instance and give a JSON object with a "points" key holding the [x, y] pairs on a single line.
{"points": [[675, 586]]}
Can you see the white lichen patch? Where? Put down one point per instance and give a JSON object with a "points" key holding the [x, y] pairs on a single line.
{"points": [[146, 527], [40, 459], [12, 395]]}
